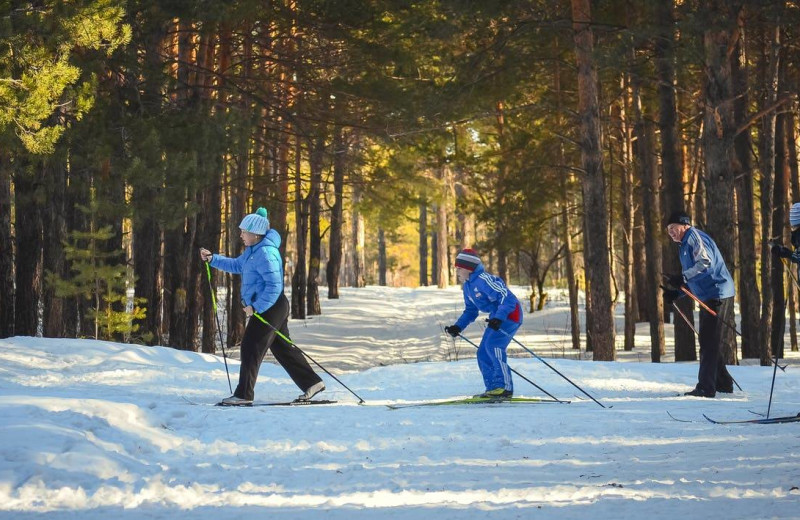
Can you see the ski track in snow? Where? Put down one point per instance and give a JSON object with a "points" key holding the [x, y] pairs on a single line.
{"points": [[94, 429]]}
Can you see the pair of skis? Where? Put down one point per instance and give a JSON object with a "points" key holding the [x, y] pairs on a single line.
{"points": [[477, 401], [760, 420], [279, 403], [446, 402]]}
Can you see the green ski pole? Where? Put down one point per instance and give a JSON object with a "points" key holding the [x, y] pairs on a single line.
{"points": [[216, 317]]}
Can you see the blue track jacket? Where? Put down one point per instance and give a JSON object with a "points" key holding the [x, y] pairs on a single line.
{"points": [[703, 267], [261, 268], [488, 293]]}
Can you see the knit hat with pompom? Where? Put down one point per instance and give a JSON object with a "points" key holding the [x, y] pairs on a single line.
{"points": [[256, 223]]}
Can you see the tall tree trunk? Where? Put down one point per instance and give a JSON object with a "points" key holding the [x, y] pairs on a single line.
{"points": [[28, 234], [239, 172], [299, 278], [147, 264], [601, 329], [148, 267], [55, 235], [237, 201], [279, 218], [442, 265], [381, 257], [625, 137], [767, 187], [435, 252], [749, 297], [566, 234], [334, 265], [500, 192], [779, 216], [645, 153], [358, 260], [465, 221], [639, 257], [210, 224], [719, 128], [672, 166], [423, 243], [210, 230], [183, 286], [315, 237], [7, 247]]}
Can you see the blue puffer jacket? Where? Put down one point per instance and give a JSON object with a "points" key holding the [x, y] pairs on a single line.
{"points": [[488, 293], [703, 267], [261, 268]]}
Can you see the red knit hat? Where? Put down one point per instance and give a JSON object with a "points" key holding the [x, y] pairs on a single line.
{"points": [[468, 259]]}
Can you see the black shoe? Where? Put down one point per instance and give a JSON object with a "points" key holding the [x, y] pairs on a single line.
{"points": [[725, 389], [698, 392], [235, 401]]}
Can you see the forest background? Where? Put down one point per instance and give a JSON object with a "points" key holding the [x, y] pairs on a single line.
{"points": [[383, 136]]}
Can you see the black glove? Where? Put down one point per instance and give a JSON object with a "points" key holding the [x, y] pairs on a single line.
{"points": [[674, 281], [453, 330], [670, 295], [494, 323], [778, 250]]}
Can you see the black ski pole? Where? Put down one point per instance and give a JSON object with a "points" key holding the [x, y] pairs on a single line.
{"points": [[691, 326], [520, 375], [287, 340], [551, 367], [772, 386], [216, 317]]}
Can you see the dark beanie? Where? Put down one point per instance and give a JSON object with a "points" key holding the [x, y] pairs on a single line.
{"points": [[679, 217]]}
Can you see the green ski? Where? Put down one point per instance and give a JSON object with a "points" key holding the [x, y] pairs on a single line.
{"points": [[477, 400]]}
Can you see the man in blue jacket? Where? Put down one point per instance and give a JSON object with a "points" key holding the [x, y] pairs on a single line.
{"points": [[704, 273], [261, 268], [488, 293]]}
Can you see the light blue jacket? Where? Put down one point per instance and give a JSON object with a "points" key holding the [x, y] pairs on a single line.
{"points": [[488, 293], [261, 268], [703, 267]]}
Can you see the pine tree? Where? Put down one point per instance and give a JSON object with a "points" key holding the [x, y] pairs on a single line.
{"points": [[99, 277]]}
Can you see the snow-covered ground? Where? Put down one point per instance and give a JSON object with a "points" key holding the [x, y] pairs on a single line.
{"points": [[98, 430]]}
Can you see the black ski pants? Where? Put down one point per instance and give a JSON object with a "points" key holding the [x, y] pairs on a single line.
{"points": [[260, 337], [713, 373]]}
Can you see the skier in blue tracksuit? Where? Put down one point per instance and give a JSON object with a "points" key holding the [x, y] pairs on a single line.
{"points": [[488, 293], [706, 276], [261, 268]]}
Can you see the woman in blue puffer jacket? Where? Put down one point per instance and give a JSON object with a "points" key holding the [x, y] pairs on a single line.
{"points": [[261, 268]]}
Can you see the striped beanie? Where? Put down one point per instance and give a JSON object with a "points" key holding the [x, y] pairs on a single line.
{"points": [[256, 223], [468, 259], [794, 214]]}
